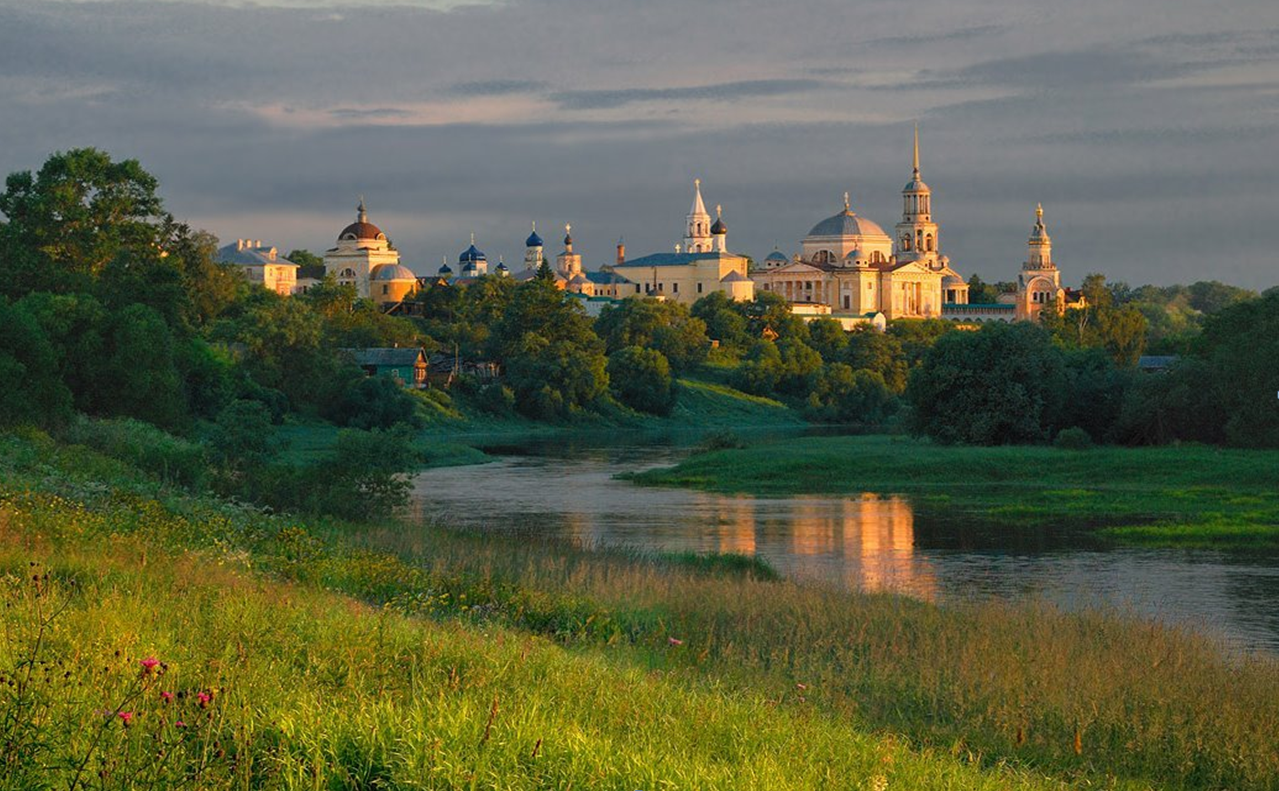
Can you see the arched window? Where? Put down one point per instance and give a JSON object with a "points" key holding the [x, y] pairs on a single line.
{"points": [[347, 274], [905, 241], [928, 242], [877, 257], [824, 257]]}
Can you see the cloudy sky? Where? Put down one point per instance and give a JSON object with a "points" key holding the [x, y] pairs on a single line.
{"points": [[1149, 129]]}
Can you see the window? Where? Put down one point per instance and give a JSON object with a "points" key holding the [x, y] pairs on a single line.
{"points": [[847, 302], [386, 289], [824, 257], [699, 288], [637, 288], [928, 243], [675, 287]]}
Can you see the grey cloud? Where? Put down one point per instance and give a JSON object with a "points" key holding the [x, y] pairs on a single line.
{"points": [[370, 113], [724, 91], [495, 87]]}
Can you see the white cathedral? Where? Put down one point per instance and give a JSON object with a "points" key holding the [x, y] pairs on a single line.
{"points": [[850, 267]]}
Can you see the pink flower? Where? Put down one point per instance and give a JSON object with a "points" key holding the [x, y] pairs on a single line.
{"points": [[167, 696], [126, 717], [674, 641], [203, 698], [180, 724]]}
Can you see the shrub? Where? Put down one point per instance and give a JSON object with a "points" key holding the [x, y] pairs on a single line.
{"points": [[641, 379], [1073, 438], [170, 458], [375, 402], [496, 399]]}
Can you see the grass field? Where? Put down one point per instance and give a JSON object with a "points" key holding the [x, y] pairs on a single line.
{"points": [[1186, 496], [330, 655]]}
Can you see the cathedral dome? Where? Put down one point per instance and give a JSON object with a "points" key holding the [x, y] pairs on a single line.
{"points": [[719, 228], [533, 240], [471, 254], [360, 231], [846, 224], [446, 270], [776, 255], [387, 272], [916, 185]]}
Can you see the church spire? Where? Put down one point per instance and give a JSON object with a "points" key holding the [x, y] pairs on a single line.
{"points": [[917, 151], [697, 238], [1041, 244], [360, 214]]}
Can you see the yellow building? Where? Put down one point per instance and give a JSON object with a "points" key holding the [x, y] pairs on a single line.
{"points": [[700, 265], [849, 264], [361, 248], [261, 264]]}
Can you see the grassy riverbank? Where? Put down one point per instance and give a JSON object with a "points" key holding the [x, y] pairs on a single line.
{"points": [[342, 655], [451, 434], [1187, 495]]}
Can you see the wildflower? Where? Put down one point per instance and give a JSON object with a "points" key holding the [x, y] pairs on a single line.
{"points": [[203, 699], [801, 686], [674, 641], [180, 724], [149, 665], [167, 697], [126, 717]]}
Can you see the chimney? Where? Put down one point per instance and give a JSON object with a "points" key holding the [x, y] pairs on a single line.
{"points": [[239, 244]]}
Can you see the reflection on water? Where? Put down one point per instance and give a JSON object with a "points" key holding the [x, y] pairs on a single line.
{"points": [[870, 542]]}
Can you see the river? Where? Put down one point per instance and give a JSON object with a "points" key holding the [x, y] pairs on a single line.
{"points": [[870, 542]]}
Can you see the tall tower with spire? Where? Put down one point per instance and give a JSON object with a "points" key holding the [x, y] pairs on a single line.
{"points": [[697, 237], [917, 234], [1039, 283]]}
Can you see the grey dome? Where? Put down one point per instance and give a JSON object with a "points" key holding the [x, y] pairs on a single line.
{"points": [[846, 224], [392, 272]]}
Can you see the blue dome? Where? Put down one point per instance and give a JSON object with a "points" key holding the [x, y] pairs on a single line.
{"points": [[501, 267], [471, 254], [776, 255], [446, 270], [533, 240]]}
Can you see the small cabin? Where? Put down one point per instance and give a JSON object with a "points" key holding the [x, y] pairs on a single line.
{"points": [[407, 366]]}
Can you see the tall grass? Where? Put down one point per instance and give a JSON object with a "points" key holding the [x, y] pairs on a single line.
{"points": [[143, 646], [650, 671]]}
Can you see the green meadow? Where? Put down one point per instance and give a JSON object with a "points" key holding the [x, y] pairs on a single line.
{"points": [[1187, 495], [323, 654]]}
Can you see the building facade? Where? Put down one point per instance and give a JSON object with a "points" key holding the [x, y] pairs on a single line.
{"points": [[851, 265], [364, 258], [261, 264]]}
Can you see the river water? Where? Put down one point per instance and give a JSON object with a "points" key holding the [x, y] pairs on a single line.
{"points": [[868, 542]]}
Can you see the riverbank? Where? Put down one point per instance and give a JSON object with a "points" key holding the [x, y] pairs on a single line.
{"points": [[340, 653], [454, 435], [1183, 496]]}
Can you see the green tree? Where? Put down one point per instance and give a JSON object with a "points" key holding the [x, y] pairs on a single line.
{"points": [[242, 437], [761, 370], [843, 395], [828, 337], [309, 264], [1003, 384], [878, 352], [31, 390], [980, 292], [138, 376], [374, 402], [78, 214], [724, 322], [917, 336], [667, 327], [641, 379], [552, 379]]}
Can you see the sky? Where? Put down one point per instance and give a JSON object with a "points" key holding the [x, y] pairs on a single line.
{"points": [[1149, 129]]}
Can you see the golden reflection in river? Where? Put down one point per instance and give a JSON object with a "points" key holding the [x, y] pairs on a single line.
{"points": [[873, 535]]}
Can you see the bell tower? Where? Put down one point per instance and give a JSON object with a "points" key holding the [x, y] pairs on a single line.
{"points": [[917, 234], [697, 237]]}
